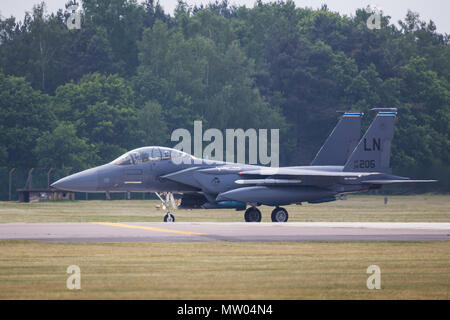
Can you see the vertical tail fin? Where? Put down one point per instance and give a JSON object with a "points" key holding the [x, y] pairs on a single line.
{"points": [[372, 154], [341, 142]]}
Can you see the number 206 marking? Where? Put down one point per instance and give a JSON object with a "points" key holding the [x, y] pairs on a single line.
{"points": [[364, 164]]}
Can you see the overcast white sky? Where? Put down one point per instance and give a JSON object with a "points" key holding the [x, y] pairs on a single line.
{"points": [[436, 10]]}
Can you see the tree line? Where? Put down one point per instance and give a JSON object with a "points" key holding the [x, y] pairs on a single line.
{"points": [[132, 74]]}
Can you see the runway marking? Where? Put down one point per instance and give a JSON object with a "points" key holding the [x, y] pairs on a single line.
{"points": [[111, 224]]}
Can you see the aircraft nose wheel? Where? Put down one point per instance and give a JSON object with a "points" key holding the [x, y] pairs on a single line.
{"points": [[252, 215], [279, 215], [168, 217], [166, 203]]}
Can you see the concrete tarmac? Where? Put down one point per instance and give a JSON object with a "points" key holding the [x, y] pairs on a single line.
{"points": [[224, 231]]}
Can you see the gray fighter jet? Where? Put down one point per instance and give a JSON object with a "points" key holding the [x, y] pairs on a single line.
{"points": [[341, 166]]}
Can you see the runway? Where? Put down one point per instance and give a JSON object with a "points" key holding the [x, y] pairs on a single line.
{"points": [[224, 231]]}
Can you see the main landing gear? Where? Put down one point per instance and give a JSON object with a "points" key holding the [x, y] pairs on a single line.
{"points": [[252, 214], [166, 203], [279, 215]]}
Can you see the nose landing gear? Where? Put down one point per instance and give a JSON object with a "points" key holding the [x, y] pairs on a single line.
{"points": [[168, 217], [166, 203]]}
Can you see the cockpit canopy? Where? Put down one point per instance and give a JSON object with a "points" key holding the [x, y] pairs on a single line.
{"points": [[146, 154]]}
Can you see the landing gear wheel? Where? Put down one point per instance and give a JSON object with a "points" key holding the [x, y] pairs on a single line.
{"points": [[169, 217], [166, 203], [252, 215], [279, 215]]}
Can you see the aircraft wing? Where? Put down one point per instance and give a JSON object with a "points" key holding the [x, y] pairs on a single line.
{"points": [[394, 181], [292, 176], [302, 172]]}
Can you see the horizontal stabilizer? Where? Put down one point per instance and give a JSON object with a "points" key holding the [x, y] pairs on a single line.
{"points": [[394, 181]]}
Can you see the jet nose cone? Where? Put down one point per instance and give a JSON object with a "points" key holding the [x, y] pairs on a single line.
{"points": [[85, 181]]}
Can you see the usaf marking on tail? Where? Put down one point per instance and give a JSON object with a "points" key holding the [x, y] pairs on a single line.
{"points": [[343, 165]]}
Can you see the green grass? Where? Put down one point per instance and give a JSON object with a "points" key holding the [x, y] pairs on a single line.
{"points": [[419, 208], [223, 270]]}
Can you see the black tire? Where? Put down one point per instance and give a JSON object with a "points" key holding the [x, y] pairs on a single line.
{"points": [[166, 217], [252, 214], [279, 215]]}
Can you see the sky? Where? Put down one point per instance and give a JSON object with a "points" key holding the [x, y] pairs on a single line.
{"points": [[436, 10]]}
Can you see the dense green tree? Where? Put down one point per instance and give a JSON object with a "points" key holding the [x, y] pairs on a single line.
{"points": [[102, 109], [25, 115], [122, 21], [152, 124], [35, 48], [61, 148]]}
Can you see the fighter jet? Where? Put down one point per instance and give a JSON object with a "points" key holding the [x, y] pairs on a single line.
{"points": [[207, 184]]}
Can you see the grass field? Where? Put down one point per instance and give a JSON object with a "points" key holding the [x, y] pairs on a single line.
{"points": [[222, 270], [227, 270], [420, 208]]}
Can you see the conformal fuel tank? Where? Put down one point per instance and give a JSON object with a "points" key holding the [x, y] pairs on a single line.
{"points": [[275, 195]]}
